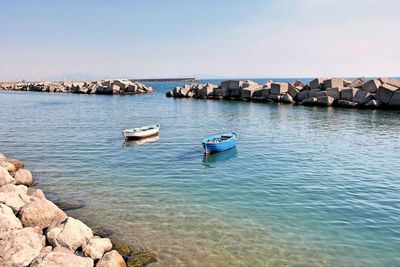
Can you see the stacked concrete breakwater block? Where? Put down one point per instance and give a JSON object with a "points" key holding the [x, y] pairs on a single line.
{"points": [[358, 93], [105, 87]]}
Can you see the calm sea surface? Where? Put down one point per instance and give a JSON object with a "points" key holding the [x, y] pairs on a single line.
{"points": [[304, 187]]}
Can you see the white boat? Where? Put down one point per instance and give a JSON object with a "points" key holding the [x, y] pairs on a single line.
{"points": [[141, 132]]}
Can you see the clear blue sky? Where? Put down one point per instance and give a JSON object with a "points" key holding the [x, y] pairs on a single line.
{"points": [[160, 38]]}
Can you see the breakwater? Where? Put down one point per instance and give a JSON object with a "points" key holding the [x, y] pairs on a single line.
{"points": [[358, 93], [105, 87], [35, 232]]}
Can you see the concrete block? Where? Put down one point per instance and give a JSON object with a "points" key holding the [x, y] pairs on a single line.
{"points": [[317, 83], [348, 94], [334, 92], [395, 100], [362, 97], [325, 100], [279, 88], [334, 82], [385, 93], [371, 86]]}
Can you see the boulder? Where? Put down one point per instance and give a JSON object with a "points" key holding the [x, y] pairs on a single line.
{"points": [[206, 91], [169, 94], [298, 84], [18, 164], [61, 257], [287, 98], [8, 221], [312, 101], [395, 100], [5, 177], [334, 82], [373, 104], [111, 259], [96, 247], [317, 83], [385, 93], [2, 157], [334, 92], [362, 97], [70, 234], [279, 88], [20, 246], [13, 200], [41, 213], [314, 93], [116, 89], [8, 166], [36, 193], [348, 94], [346, 103], [371, 86], [19, 189], [293, 91], [325, 100], [24, 177]]}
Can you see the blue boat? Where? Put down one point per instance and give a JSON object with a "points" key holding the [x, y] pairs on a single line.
{"points": [[219, 142]]}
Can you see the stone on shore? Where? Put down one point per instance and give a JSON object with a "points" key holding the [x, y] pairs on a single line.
{"points": [[385, 93], [279, 88], [13, 200], [20, 246], [70, 234], [12, 188], [362, 97], [293, 91], [303, 95], [287, 98], [24, 177], [41, 213], [348, 94], [358, 83], [96, 247], [61, 257], [18, 164], [111, 259], [5, 177], [310, 101], [8, 221], [371, 86]]}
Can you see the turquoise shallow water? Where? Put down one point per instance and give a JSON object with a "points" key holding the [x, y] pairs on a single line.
{"points": [[304, 187]]}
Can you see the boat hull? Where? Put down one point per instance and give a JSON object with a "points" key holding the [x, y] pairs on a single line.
{"points": [[136, 135], [221, 146]]}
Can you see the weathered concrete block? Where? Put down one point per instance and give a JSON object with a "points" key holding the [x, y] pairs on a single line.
{"points": [[358, 83], [275, 97], [395, 100], [371, 86], [384, 79], [334, 82], [325, 100], [334, 92], [234, 93], [385, 93], [314, 93], [317, 83], [298, 84], [348, 94], [346, 103], [395, 83], [287, 98], [247, 93], [266, 92], [312, 101], [221, 92], [257, 93], [362, 97], [303, 95], [231, 85], [373, 104], [279, 88], [293, 91]]}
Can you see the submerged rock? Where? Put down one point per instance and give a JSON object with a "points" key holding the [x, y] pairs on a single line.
{"points": [[111, 259], [141, 259]]}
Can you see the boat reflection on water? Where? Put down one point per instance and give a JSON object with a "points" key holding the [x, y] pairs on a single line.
{"points": [[220, 156], [142, 141]]}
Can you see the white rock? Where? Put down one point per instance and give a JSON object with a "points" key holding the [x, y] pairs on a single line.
{"points": [[8, 221], [70, 234], [96, 247], [19, 189], [5, 177], [111, 259], [60, 257], [23, 176], [19, 247], [41, 213]]}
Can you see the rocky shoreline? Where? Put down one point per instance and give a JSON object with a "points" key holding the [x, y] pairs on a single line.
{"points": [[105, 87], [358, 93], [35, 232]]}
